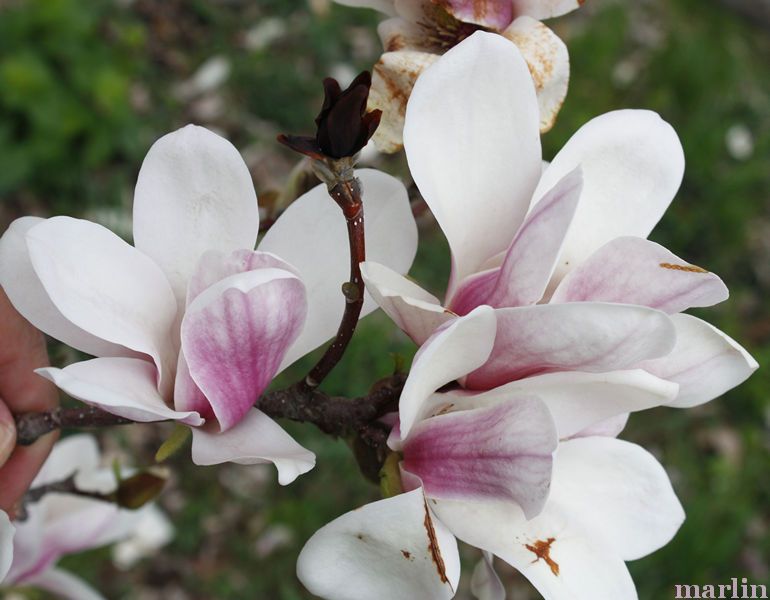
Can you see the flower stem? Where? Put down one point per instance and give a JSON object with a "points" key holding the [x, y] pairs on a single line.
{"points": [[32, 426]]}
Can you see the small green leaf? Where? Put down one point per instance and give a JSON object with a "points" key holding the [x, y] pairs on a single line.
{"points": [[390, 476], [174, 442]]}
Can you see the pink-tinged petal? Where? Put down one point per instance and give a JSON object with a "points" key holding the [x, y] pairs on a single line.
{"points": [[311, 235], [471, 116], [632, 164], [495, 14], [485, 584], [122, 386], [7, 532], [64, 585], [187, 395], [501, 453], [106, 287], [575, 400], [545, 9], [257, 439], [27, 294], [384, 6], [456, 349], [637, 271], [586, 336], [705, 362], [214, 266], [416, 312], [390, 550], [531, 258], [548, 61], [194, 193], [474, 291], [235, 335]]}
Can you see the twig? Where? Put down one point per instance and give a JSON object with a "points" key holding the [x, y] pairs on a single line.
{"points": [[32, 426], [64, 486], [347, 194]]}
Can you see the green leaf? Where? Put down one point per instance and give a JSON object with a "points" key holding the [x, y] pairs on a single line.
{"points": [[174, 442]]}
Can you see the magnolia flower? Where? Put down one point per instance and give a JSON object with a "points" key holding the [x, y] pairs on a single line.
{"points": [[61, 524], [419, 31], [560, 252], [480, 464], [191, 324]]}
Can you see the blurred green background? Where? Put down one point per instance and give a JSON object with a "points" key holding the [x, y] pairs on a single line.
{"points": [[86, 87]]}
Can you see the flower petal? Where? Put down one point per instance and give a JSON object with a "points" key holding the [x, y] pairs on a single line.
{"points": [[471, 116], [256, 439], [78, 452], [311, 235], [122, 386], [389, 550], [393, 78], [636, 271], [27, 294], [453, 351], [385, 6], [632, 164], [106, 287], [575, 400], [235, 335], [545, 9], [586, 336], [501, 452], [64, 585], [194, 193], [416, 312], [495, 14], [548, 62], [485, 584], [705, 362], [7, 532], [531, 258]]}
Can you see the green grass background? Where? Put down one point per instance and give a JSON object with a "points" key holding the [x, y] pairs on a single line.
{"points": [[85, 87]]}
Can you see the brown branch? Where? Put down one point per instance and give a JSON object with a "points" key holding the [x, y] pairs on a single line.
{"points": [[64, 486], [347, 194], [31, 426]]}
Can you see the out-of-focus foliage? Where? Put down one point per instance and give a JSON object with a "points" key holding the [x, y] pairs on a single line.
{"points": [[85, 87]]}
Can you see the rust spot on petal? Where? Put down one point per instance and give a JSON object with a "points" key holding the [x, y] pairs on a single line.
{"points": [[686, 268], [542, 550], [407, 555], [433, 548]]}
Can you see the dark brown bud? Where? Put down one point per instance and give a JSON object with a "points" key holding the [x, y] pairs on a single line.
{"points": [[343, 127]]}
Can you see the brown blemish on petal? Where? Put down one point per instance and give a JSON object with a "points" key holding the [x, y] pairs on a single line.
{"points": [[686, 268], [433, 548], [407, 555], [542, 549]]}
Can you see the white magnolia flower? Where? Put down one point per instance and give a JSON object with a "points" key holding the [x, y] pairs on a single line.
{"points": [[480, 465], [191, 324], [419, 31], [561, 252], [62, 524]]}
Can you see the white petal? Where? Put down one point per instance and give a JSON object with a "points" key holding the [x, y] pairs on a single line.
{"points": [[580, 336], [194, 193], [485, 584], [577, 400], [452, 352], [311, 235], [7, 532], [548, 62], [64, 585], [705, 362], [74, 453], [121, 386], [257, 439], [471, 117], [632, 165], [388, 550], [28, 296], [385, 6], [416, 312], [545, 9], [105, 286]]}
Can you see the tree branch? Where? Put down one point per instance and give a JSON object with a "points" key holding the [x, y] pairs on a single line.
{"points": [[34, 425], [347, 194]]}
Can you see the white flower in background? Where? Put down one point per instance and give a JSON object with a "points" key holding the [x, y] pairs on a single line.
{"points": [[191, 324], [61, 524], [479, 467], [561, 251], [419, 31]]}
